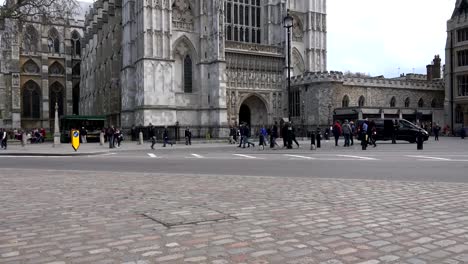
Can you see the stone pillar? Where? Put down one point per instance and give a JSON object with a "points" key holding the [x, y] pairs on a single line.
{"points": [[382, 114], [15, 100], [56, 127], [400, 113]]}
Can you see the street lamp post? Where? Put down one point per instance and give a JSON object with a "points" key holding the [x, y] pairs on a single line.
{"points": [[288, 24]]}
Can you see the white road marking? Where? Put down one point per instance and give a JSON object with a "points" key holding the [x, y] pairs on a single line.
{"points": [[430, 158], [245, 156], [299, 156], [152, 155], [198, 156], [356, 157]]}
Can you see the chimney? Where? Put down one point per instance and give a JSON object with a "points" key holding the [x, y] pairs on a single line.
{"points": [[430, 71], [436, 67]]}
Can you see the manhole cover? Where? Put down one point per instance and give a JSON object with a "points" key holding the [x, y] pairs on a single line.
{"points": [[185, 215]]}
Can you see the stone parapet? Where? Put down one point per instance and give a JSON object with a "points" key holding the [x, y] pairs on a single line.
{"points": [[334, 76]]}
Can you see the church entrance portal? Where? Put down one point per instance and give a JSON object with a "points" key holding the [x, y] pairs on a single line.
{"points": [[253, 111]]}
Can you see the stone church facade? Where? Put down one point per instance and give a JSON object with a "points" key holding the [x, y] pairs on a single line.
{"points": [[39, 67], [198, 63], [456, 67]]}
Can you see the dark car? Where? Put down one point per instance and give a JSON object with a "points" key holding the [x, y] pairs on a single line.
{"points": [[406, 131]]}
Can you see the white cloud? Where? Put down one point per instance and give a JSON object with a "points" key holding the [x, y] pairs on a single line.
{"points": [[378, 37]]}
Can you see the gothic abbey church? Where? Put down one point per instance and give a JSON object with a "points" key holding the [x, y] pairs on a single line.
{"points": [[204, 63]]}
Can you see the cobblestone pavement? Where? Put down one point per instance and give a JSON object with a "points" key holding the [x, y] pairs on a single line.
{"points": [[88, 217]]}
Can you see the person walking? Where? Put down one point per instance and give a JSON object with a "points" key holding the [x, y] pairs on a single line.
{"points": [[363, 134], [241, 136], [3, 138], [247, 137], [293, 135], [83, 134], [346, 133], [274, 135], [372, 131], [188, 136], [463, 132], [337, 132], [166, 137], [353, 132], [284, 133], [110, 136], [262, 138], [152, 135], [436, 131], [395, 129]]}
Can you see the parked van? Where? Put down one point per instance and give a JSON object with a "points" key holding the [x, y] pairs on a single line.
{"points": [[406, 131]]}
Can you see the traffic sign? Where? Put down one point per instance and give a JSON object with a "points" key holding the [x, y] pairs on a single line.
{"points": [[75, 139]]}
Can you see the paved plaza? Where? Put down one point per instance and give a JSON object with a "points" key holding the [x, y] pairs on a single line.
{"points": [[189, 205]]}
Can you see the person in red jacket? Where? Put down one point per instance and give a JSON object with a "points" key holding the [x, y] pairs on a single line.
{"points": [[337, 132]]}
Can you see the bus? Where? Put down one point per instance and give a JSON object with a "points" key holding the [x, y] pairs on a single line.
{"points": [[92, 124]]}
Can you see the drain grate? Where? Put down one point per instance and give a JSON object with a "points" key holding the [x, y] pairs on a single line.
{"points": [[186, 215]]}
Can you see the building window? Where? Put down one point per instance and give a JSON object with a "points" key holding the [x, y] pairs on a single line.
{"points": [[462, 85], [362, 101], [30, 39], [56, 69], [462, 34], [187, 74], [462, 57], [434, 103], [407, 102], [54, 41], [459, 118], [421, 103], [244, 16], [55, 96], [76, 44], [31, 100], [345, 101], [393, 102], [295, 103]]}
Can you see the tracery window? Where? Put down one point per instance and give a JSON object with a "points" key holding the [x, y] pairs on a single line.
{"points": [[55, 96], [362, 101], [345, 102], [393, 102], [56, 69], [188, 84], [421, 103], [244, 16], [31, 100], [54, 41], [30, 39], [76, 44], [407, 102]]}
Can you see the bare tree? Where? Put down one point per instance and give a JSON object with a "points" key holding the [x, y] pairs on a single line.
{"points": [[21, 10]]}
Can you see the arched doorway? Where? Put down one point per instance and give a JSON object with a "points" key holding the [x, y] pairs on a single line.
{"points": [[244, 114], [253, 111]]}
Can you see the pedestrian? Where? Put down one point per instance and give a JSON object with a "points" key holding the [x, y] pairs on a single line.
{"points": [[118, 137], [318, 137], [346, 133], [372, 131], [247, 137], [395, 129], [327, 134], [110, 136], [274, 135], [337, 132], [293, 135], [133, 133], [152, 135], [232, 135], [289, 135], [241, 133], [353, 132], [3, 138], [463, 132], [262, 138], [284, 133], [83, 134], [188, 136], [43, 135], [363, 136], [166, 137], [436, 131]]}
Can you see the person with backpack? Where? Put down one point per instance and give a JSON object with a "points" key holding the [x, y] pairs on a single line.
{"points": [[347, 130]]}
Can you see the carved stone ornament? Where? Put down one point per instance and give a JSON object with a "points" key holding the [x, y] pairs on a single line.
{"points": [[182, 17], [298, 33], [31, 67]]}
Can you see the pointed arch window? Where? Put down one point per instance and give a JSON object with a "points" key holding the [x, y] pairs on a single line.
{"points": [[56, 93], [30, 39], [345, 101], [434, 103], [393, 102], [421, 103], [188, 81], [76, 43], [31, 100], [30, 67], [54, 41], [56, 69], [362, 101], [407, 102]]}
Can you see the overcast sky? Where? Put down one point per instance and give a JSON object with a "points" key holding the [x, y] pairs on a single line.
{"points": [[380, 36]]}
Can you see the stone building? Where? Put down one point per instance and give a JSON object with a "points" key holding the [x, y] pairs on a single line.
{"points": [[321, 98], [40, 66], [456, 67], [205, 63]]}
